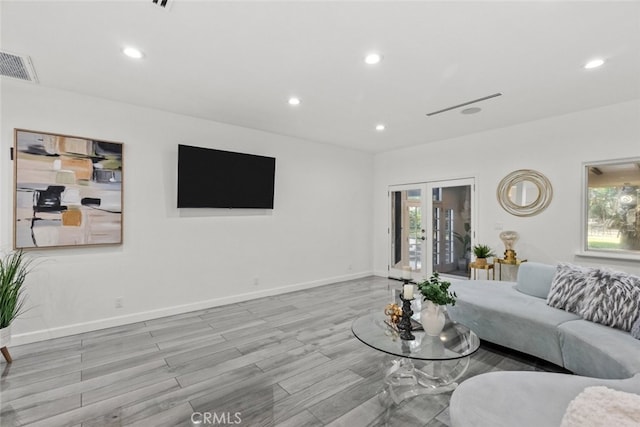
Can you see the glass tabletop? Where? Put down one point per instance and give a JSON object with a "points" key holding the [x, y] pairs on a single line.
{"points": [[454, 342]]}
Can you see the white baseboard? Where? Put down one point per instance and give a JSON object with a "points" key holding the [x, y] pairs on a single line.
{"points": [[79, 328]]}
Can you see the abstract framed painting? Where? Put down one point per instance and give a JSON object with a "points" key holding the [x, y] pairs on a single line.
{"points": [[68, 191]]}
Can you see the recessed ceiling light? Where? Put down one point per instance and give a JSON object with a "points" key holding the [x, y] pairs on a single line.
{"points": [[594, 63], [294, 101], [472, 110], [380, 127], [373, 58], [132, 52]]}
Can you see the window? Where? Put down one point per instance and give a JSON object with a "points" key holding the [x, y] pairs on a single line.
{"points": [[612, 212]]}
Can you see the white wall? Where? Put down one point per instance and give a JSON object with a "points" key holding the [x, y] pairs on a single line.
{"points": [[556, 147], [180, 260]]}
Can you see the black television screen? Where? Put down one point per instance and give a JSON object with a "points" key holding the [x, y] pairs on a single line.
{"points": [[209, 178]]}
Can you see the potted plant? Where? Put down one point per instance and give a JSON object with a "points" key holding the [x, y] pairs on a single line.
{"points": [[436, 293], [465, 244], [14, 268], [482, 252]]}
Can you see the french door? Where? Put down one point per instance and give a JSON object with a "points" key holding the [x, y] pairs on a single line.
{"points": [[430, 228]]}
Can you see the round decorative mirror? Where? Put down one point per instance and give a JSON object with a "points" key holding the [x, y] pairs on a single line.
{"points": [[524, 192]]}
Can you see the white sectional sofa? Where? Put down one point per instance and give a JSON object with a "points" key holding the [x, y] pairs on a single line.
{"points": [[516, 315]]}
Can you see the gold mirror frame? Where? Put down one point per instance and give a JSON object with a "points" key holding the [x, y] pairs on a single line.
{"points": [[545, 192]]}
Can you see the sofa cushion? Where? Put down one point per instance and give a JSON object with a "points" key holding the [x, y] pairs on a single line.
{"points": [[598, 351], [496, 312], [567, 287], [611, 298], [535, 279]]}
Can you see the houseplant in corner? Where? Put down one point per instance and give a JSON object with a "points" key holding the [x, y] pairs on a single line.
{"points": [[465, 246], [14, 268], [482, 252], [436, 294]]}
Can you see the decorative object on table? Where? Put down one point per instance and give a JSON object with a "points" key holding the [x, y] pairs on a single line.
{"points": [[482, 252], [524, 192], [394, 312], [68, 191], [14, 268], [397, 302], [407, 290], [509, 238], [405, 322], [432, 318], [437, 294]]}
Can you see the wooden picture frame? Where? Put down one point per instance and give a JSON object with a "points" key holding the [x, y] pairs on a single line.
{"points": [[67, 191]]}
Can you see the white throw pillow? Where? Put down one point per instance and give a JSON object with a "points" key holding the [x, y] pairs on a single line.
{"points": [[600, 406]]}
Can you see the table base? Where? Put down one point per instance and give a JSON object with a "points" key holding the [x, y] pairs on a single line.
{"points": [[403, 380]]}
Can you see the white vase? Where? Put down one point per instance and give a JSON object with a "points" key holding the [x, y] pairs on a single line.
{"points": [[432, 318], [5, 336]]}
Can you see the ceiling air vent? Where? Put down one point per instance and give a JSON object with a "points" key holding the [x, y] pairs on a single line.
{"points": [[17, 67], [464, 104]]}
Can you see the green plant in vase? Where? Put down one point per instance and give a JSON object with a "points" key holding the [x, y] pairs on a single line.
{"points": [[437, 291], [437, 294], [482, 252], [465, 245]]}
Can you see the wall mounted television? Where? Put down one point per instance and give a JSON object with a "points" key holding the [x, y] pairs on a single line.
{"points": [[209, 178]]}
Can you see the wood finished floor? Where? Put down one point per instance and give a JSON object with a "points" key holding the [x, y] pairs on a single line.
{"points": [[287, 360]]}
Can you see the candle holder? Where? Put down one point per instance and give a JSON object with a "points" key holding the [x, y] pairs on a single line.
{"points": [[405, 322]]}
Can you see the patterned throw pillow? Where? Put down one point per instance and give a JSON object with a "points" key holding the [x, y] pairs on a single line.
{"points": [[612, 299], [567, 287]]}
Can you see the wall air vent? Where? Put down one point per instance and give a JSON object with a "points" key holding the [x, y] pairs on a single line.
{"points": [[17, 67], [464, 104], [162, 3]]}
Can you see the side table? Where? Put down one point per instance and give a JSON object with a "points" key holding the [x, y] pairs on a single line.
{"points": [[486, 267], [503, 261]]}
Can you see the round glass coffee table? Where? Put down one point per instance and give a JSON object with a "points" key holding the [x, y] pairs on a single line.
{"points": [[445, 357]]}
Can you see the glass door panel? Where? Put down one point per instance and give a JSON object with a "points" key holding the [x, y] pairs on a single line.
{"points": [[407, 231], [451, 231]]}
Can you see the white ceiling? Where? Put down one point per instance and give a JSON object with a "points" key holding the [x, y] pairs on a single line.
{"points": [[238, 62]]}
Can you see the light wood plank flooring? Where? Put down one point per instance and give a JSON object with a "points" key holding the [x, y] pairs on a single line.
{"points": [[287, 360]]}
